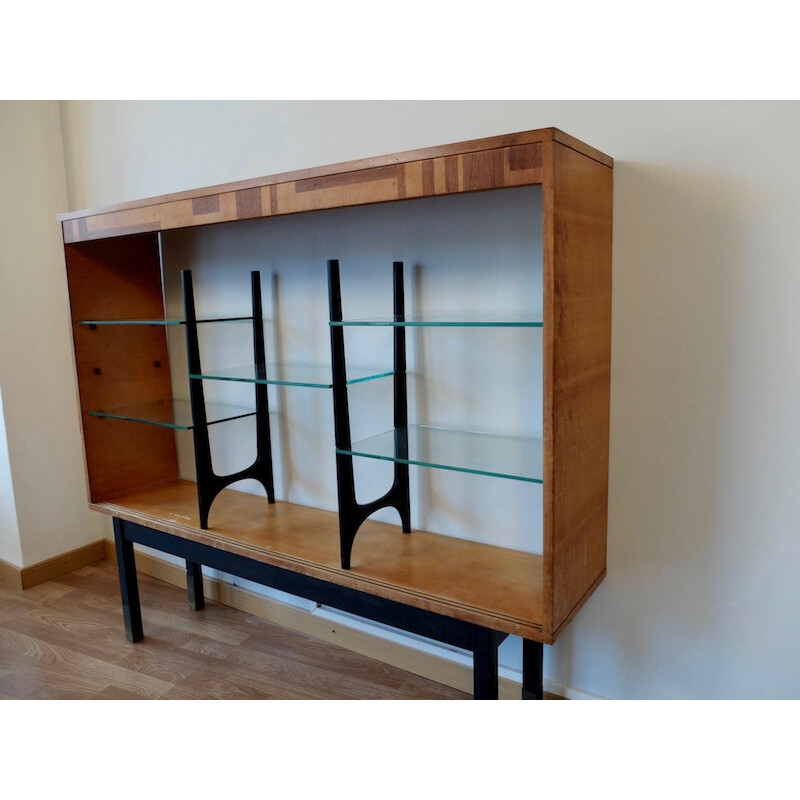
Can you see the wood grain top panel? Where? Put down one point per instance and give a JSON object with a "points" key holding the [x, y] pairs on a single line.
{"points": [[483, 584]]}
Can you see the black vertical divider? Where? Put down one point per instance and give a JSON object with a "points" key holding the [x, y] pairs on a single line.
{"points": [[351, 513], [263, 462], [209, 484]]}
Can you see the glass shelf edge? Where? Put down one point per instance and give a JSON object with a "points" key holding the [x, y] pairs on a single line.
{"points": [[434, 323], [429, 465], [100, 414], [496, 473], [375, 377], [142, 415], [155, 322], [278, 381]]}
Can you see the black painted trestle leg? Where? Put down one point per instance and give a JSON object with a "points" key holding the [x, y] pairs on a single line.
{"points": [[484, 663], [532, 674], [128, 584], [194, 585], [209, 484], [352, 514]]}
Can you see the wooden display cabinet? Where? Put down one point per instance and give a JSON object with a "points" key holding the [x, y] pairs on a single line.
{"points": [[466, 593]]}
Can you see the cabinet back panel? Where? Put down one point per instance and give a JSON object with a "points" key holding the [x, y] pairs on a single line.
{"points": [[478, 253]]}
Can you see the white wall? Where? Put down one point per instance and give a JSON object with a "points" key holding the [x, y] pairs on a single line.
{"points": [[701, 591], [36, 369]]}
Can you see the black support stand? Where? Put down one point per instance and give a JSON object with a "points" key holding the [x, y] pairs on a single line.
{"points": [[482, 642], [532, 677], [194, 586], [351, 513], [128, 584], [209, 484]]}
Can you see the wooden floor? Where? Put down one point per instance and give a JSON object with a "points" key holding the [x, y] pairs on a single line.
{"points": [[64, 640]]}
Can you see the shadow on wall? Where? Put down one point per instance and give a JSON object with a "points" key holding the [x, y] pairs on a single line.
{"points": [[677, 292]]}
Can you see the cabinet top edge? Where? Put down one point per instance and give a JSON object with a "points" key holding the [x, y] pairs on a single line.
{"points": [[438, 151]]}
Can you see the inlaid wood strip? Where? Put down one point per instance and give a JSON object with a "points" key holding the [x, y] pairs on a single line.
{"points": [[483, 170], [205, 205], [179, 214], [401, 182], [248, 204], [347, 179], [451, 183], [427, 178], [439, 176], [412, 179], [524, 157]]}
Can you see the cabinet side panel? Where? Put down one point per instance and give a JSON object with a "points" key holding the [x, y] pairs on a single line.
{"points": [[120, 365], [579, 360]]}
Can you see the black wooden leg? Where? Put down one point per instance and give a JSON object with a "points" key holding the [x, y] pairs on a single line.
{"points": [[128, 584], [532, 678], [484, 663], [194, 585]]}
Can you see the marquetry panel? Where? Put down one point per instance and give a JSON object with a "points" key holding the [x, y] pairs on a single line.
{"points": [[516, 165]]}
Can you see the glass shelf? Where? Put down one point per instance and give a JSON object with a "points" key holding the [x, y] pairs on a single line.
{"points": [[518, 458], [449, 320], [96, 322], [316, 376], [171, 413]]}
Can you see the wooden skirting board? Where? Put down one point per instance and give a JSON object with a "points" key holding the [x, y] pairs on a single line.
{"points": [[54, 567], [10, 573], [428, 665]]}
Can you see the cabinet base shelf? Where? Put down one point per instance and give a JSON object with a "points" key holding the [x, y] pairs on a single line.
{"points": [[485, 585]]}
